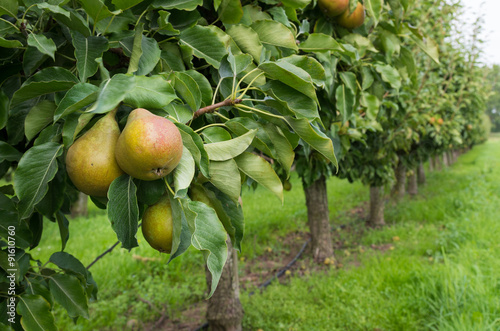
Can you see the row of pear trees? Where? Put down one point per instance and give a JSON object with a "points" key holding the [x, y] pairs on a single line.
{"points": [[285, 79]]}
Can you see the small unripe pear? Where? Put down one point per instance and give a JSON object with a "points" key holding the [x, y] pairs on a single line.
{"points": [[333, 8], [352, 20], [149, 147], [90, 161], [158, 226]]}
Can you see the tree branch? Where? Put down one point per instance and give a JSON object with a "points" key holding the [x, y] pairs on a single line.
{"points": [[104, 253], [212, 108]]}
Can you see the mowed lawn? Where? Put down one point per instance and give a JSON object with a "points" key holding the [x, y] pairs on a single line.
{"points": [[435, 266]]}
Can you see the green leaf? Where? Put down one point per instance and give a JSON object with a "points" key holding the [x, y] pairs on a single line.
{"points": [[36, 313], [96, 9], [368, 78], [296, 4], [53, 9], [48, 80], [63, 224], [315, 138], [215, 134], [361, 43], [374, 8], [428, 45], [260, 171], [203, 85], [205, 44], [43, 44], [298, 103], [389, 74], [345, 102], [112, 92], [75, 22], [390, 43], [164, 26], [39, 117], [4, 109], [133, 64], [349, 79], [247, 40], [284, 150], [9, 153], [79, 96], [188, 89], [32, 59], [181, 238], [68, 262], [87, 50], [275, 34], [184, 173], [230, 11], [8, 7], [150, 92], [208, 236], [10, 43], [36, 169], [225, 150], [149, 192], [193, 142], [319, 42], [290, 75], [226, 177], [125, 4], [188, 5], [309, 65], [372, 104], [182, 113], [68, 292], [123, 211]]}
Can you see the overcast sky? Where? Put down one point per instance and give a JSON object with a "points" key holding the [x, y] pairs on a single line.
{"points": [[490, 11]]}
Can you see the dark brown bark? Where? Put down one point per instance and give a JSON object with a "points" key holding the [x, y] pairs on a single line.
{"points": [[224, 310], [412, 184], [79, 207], [376, 217], [399, 189], [421, 174], [319, 220]]}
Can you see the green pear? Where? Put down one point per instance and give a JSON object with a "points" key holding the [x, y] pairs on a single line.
{"points": [[90, 161], [157, 225], [149, 147]]}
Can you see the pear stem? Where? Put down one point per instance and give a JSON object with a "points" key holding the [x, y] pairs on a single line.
{"points": [[212, 108]]}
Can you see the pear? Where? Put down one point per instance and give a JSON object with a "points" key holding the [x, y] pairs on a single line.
{"points": [[157, 225], [149, 147], [333, 8], [90, 161], [352, 20]]}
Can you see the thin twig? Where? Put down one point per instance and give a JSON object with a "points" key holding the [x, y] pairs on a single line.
{"points": [[212, 108], [104, 253]]}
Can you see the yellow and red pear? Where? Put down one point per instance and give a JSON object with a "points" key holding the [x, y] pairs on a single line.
{"points": [[352, 20], [149, 147], [332, 8], [90, 161]]}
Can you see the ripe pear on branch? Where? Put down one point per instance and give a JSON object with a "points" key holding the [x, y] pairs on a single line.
{"points": [[157, 225], [352, 20], [332, 8], [90, 161], [149, 147]]}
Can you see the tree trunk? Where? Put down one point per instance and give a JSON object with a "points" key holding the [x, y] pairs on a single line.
{"points": [[438, 164], [79, 207], [399, 190], [445, 160], [224, 310], [431, 164], [421, 174], [376, 217], [412, 184], [319, 220]]}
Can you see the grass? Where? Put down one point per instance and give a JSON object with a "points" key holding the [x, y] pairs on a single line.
{"points": [[439, 272], [442, 272]]}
